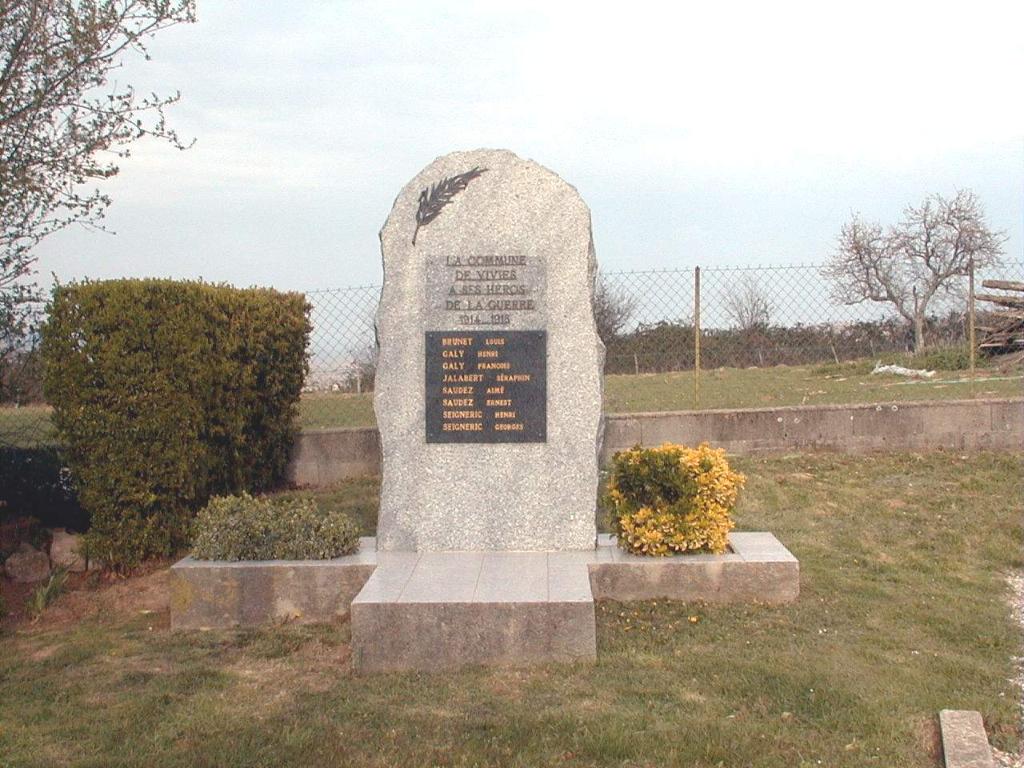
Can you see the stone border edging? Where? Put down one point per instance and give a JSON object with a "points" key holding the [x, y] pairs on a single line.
{"points": [[216, 594], [757, 569]]}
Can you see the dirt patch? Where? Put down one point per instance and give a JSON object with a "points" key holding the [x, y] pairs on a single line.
{"points": [[93, 595], [14, 597], [313, 666], [43, 653], [112, 597], [508, 683], [927, 735]]}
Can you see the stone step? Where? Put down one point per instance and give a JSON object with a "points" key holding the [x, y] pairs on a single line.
{"points": [[440, 610]]}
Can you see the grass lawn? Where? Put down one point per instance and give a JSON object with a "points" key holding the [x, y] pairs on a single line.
{"points": [[903, 612], [727, 388]]}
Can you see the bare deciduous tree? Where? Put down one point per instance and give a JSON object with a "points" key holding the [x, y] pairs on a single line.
{"points": [[62, 124], [912, 262], [747, 304], [612, 310]]}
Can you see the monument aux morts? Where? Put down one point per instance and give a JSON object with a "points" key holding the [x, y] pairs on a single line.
{"points": [[488, 389], [488, 400]]}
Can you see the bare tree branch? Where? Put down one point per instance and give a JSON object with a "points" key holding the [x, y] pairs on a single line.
{"points": [[917, 259], [612, 310], [62, 124], [747, 304]]}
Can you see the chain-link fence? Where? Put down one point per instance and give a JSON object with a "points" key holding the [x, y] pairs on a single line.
{"points": [[651, 322], [749, 316], [759, 316], [343, 345]]}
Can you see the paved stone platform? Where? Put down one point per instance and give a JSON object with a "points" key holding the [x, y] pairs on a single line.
{"points": [[440, 610]]}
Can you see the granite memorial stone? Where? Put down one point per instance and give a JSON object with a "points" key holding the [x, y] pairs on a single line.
{"points": [[488, 401], [488, 388]]}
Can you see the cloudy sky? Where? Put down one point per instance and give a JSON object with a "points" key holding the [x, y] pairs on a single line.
{"points": [[703, 133]]}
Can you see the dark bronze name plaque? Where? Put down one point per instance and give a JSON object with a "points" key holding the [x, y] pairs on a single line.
{"points": [[486, 386]]}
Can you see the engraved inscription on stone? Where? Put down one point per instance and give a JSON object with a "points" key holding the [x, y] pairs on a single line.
{"points": [[486, 386], [485, 290]]}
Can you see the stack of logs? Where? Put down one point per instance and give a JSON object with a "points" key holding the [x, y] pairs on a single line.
{"points": [[1003, 329]]}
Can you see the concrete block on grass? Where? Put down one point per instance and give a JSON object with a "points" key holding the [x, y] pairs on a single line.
{"points": [[964, 743]]}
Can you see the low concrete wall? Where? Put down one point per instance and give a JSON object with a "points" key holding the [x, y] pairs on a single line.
{"points": [[953, 424], [323, 457]]}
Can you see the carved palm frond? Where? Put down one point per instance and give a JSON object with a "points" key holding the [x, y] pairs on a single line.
{"points": [[434, 199]]}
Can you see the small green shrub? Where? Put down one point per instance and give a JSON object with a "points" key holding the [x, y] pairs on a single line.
{"points": [[265, 528], [47, 592], [166, 393], [942, 359], [672, 499]]}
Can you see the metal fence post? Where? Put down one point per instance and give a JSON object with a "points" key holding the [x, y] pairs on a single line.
{"points": [[696, 338], [970, 319]]}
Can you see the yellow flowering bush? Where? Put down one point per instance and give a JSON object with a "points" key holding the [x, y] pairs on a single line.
{"points": [[672, 499]]}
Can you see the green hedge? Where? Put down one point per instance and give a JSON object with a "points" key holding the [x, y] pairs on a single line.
{"points": [[264, 528], [166, 393]]}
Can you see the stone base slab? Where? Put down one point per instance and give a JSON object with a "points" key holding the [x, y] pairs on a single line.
{"points": [[757, 569], [430, 637], [431, 611], [213, 594]]}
